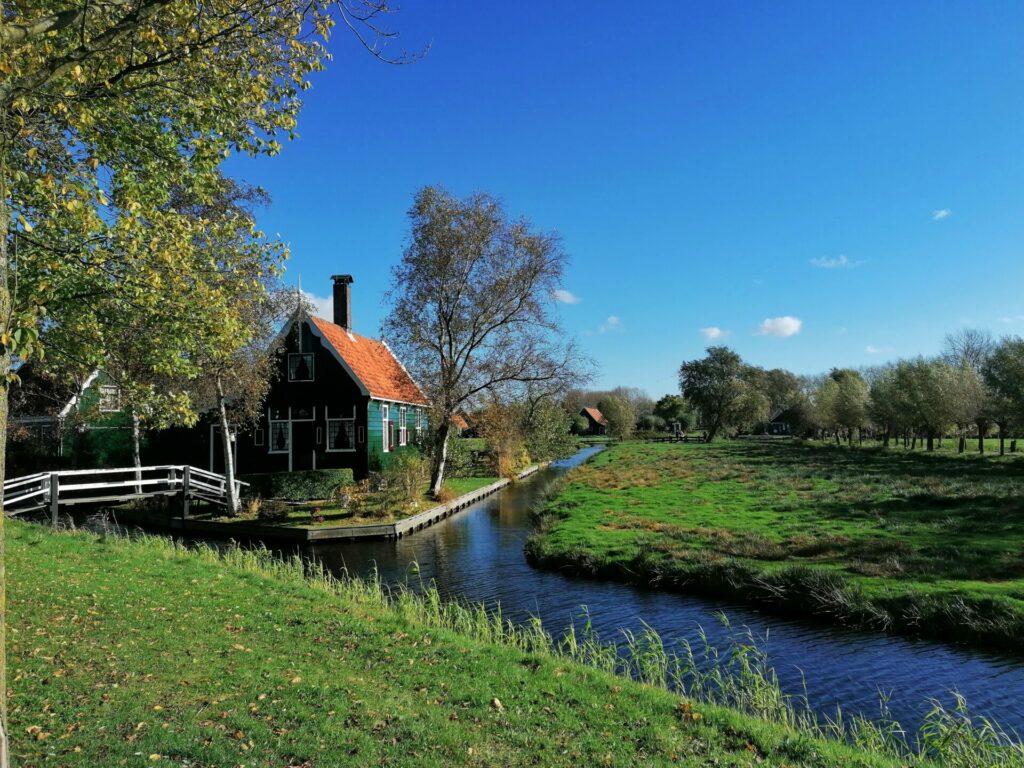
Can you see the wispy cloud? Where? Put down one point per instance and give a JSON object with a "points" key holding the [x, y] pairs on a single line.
{"points": [[565, 297], [1012, 319], [941, 213], [835, 262], [612, 325], [786, 325], [871, 349], [714, 332], [323, 306]]}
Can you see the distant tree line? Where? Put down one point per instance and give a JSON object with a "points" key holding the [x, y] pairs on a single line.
{"points": [[973, 389]]}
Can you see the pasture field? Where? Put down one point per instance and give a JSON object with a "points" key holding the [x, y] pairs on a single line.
{"points": [[887, 538]]}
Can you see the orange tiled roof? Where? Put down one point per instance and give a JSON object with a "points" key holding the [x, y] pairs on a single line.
{"points": [[596, 415], [460, 421], [372, 363]]}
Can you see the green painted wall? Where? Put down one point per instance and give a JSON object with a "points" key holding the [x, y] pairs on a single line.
{"points": [[378, 459]]}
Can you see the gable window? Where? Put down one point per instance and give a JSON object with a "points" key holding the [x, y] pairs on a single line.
{"points": [[300, 366], [341, 434], [280, 437], [403, 431], [110, 398]]}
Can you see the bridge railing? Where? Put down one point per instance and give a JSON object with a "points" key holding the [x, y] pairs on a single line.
{"points": [[53, 490]]}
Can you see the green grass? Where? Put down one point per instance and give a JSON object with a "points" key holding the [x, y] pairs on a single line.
{"points": [[910, 541], [140, 652]]}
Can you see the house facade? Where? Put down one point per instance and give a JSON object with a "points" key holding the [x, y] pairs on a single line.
{"points": [[340, 400]]}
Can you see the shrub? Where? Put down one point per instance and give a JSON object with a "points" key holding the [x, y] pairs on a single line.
{"points": [[272, 509], [297, 486], [445, 495], [406, 476]]}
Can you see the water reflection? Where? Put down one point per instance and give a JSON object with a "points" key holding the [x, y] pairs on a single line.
{"points": [[478, 555]]}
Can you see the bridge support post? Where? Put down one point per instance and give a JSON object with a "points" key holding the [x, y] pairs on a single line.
{"points": [[186, 480], [54, 499]]}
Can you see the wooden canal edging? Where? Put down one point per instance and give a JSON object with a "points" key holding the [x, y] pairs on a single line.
{"points": [[255, 530]]}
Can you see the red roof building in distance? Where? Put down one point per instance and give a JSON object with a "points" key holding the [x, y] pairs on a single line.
{"points": [[598, 424]]}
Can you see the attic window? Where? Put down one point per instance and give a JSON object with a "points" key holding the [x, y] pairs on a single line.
{"points": [[110, 399], [300, 366]]}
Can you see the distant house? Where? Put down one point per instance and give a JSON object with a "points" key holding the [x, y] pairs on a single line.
{"points": [[778, 422], [55, 423], [340, 400], [462, 427], [597, 423]]}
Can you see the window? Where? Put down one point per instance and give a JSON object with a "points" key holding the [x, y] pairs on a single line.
{"points": [[110, 398], [386, 431], [341, 434], [300, 366], [280, 436], [257, 438], [403, 432], [362, 435]]}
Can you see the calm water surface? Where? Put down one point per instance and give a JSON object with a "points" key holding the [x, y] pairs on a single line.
{"points": [[478, 555]]}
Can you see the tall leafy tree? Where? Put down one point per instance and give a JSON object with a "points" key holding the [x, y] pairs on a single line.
{"points": [[103, 103], [471, 312], [1003, 372], [724, 389], [620, 415]]}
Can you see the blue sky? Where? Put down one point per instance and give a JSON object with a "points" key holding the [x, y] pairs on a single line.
{"points": [[853, 174]]}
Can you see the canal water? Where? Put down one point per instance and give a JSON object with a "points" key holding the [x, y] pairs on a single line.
{"points": [[477, 555]]}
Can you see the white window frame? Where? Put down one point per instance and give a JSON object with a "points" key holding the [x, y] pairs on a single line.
{"points": [[403, 430], [259, 437], [270, 445], [352, 418], [312, 367], [112, 391], [386, 430]]}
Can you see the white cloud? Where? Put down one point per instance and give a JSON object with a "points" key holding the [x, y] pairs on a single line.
{"points": [[871, 349], [1013, 319], [714, 332], [835, 262], [941, 214], [323, 306], [565, 297], [780, 326], [612, 325]]}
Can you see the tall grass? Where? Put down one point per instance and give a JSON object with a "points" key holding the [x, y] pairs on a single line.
{"points": [[739, 676]]}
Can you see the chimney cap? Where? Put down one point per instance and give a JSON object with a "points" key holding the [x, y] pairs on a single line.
{"points": [[342, 278]]}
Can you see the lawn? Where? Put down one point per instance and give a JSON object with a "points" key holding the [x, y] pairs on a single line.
{"points": [[139, 652], [894, 539]]}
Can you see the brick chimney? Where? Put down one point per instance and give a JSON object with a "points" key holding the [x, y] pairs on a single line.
{"points": [[343, 301]]}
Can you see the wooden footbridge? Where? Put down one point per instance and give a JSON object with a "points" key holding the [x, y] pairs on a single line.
{"points": [[82, 488]]}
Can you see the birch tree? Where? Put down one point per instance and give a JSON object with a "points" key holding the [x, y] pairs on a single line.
{"points": [[472, 310]]}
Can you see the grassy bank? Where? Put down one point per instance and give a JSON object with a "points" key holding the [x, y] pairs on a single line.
{"points": [[911, 542], [140, 652]]}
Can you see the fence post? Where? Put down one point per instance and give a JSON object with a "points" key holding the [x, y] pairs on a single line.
{"points": [[54, 498], [186, 481]]}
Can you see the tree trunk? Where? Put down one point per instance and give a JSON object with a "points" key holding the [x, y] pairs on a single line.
{"points": [[5, 367], [229, 458], [982, 429], [440, 458], [136, 450], [931, 441]]}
